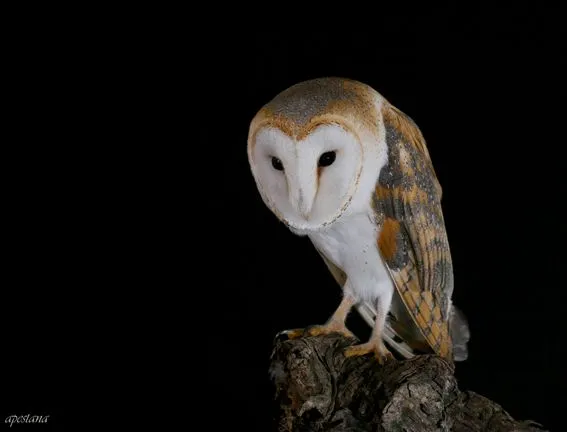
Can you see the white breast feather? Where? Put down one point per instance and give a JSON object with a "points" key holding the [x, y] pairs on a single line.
{"points": [[350, 244]]}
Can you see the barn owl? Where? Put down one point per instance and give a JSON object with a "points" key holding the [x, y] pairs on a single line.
{"points": [[337, 162]]}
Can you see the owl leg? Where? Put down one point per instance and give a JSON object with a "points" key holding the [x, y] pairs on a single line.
{"points": [[376, 342], [335, 324]]}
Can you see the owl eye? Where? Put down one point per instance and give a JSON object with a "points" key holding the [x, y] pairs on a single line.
{"points": [[277, 164], [327, 158]]}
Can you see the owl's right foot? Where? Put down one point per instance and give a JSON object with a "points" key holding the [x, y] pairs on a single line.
{"points": [[318, 330], [335, 324]]}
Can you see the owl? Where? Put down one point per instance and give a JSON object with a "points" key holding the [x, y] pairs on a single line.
{"points": [[337, 162]]}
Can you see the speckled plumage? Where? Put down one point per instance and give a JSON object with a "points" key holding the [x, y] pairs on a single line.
{"points": [[300, 108], [408, 196], [374, 215]]}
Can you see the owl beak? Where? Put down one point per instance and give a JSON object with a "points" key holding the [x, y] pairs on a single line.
{"points": [[302, 191], [302, 205]]}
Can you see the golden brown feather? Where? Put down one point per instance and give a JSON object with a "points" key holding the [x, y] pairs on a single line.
{"points": [[416, 251], [301, 108]]}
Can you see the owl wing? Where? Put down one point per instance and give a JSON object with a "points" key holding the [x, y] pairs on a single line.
{"points": [[413, 241]]}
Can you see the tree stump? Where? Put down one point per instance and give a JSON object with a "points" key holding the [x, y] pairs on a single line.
{"points": [[318, 389]]}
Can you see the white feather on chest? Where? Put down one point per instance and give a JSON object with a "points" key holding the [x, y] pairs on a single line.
{"points": [[350, 244]]}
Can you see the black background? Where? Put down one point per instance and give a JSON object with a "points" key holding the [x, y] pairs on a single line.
{"points": [[140, 260]]}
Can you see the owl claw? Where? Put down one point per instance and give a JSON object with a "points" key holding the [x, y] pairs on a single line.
{"points": [[381, 353], [316, 330], [290, 334], [329, 328]]}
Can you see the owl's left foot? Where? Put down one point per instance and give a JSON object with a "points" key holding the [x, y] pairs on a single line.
{"points": [[381, 353], [318, 330]]}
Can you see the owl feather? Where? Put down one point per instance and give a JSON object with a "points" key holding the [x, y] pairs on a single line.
{"points": [[396, 262], [414, 245], [413, 240]]}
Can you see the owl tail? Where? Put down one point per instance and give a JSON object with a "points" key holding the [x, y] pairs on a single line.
{"points": [[458, 327], [460, 334]]}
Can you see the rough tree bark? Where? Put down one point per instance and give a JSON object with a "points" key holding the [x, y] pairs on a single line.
{"points": [[318, 389]]}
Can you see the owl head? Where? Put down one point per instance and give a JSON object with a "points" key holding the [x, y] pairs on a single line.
{"points": [[316, 151]]}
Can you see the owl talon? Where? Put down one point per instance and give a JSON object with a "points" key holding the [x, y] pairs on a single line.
{"points": [[290, 334], [316, 330], [381, 353], [329, 328]]}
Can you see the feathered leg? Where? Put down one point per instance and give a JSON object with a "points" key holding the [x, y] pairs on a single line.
{"points": [[376, 342]]}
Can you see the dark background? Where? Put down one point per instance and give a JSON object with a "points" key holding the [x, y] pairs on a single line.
{"points": [[487, 91], [107, 316]]}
